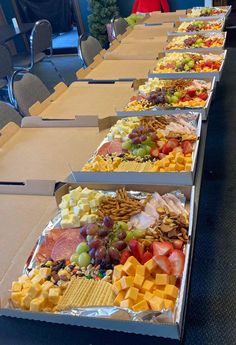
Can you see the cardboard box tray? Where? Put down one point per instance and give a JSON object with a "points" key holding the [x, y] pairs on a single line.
{"points": [[177, 33], [176, 75], [140, 32], [223, 15], [168, 17], [29, 226], [167, 178]]}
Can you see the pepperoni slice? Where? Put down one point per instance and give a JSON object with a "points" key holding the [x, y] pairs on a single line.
{"points": [[66, 244]]}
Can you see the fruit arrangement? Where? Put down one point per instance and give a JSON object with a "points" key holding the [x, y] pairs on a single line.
{"points": [[189, 62], [206, 11], [196, 41], [132, 256], [155, 144], [201, 25], [178, 93]]}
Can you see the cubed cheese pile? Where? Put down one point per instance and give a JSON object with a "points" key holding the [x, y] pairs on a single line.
{"points": [[35, 293], [122, 128], [143, 287], [79, 207], [175, 161]]}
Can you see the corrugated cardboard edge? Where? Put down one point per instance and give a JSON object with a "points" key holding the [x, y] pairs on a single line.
{"points": [[28, 187]]}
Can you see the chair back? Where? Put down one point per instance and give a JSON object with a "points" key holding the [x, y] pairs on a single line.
{"points": [[5, 62], [27, 91], [89, 47], [8, 114], [41, 38], [119, 26]]}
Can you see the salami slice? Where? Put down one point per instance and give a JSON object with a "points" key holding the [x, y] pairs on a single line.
{"points": [[116, 147], [45, 250], [103, 150], [66, 244]]}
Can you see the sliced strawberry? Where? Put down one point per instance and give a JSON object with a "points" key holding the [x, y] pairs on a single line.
{"points": [[124, 256], [150, 249], [154, 152], [162, 248], [163, 263], [146, 257], [166, 149], [203, 96], [173, 143], [176, 260], [191, 93], [178, 244], [187, 147], [136, 249]]}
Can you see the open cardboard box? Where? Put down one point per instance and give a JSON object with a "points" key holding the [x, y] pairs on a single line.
{"points": [[223, 15], [176, 75], [157, 18], [185, 50], [159, 111], [80, 101], [116, 70], [43, 156], [177, 33], [167, 178], [28, 226]]}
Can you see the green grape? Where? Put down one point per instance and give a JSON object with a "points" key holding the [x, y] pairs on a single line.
{"points": [[141, 152], [74, 258], [127, 145], [123, 225], [191, 64], [135, 152], [82, 247], [138, 233], [174, 99], [148, 149], [84, 260], [178, 94]]}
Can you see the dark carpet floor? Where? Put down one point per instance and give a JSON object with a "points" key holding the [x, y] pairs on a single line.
{"points": [[211, 313]]}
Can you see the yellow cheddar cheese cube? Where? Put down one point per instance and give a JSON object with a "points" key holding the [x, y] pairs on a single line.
{"points": [[140, 297], [159, 293], [27, 284], [24, 291], [129, 268], [127, 303], [25, 302], [151, 266], [126, 282], [162, 170], [36, 304], [119, 298], [38, 279], [188, 167], [140, 306], [169, 304], [180, 159], [116, 287], [148, 296], [133, 261], [54, 295], [179, 167], [16, 299], [171, 167], [23, 278], [132, 293], [16, 286], [160, 287], [138, 281], [45, 272], [188, 160], [172, 280], [118, 272], [33, 273], [156, 303], [148, 285], [34, 290], [171, 291], [47, 285], [141, 270], [162, 279]]}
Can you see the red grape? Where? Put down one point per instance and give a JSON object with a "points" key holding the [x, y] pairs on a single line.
{"points": [[95, 243], [92, 253], [121, 235], [92, 229], [120, 245], [108, 222], [143, 137], [100, 253], [83, 231], [103, 232], [136, 141], [114, 254]]}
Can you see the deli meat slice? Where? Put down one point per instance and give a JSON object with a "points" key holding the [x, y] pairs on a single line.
{"points": [[46, 247], [66, 244], [115, 147], [103, 150]]}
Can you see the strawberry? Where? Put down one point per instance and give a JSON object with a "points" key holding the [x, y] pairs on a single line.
{"points": [[124, 256], [150, 249], [154, 152], [191, 93], [160, 144], [203, 96], [166, 149], [178, 244], [162, 248], [146, 257], [173, 143], [187, 147], [176, 260], [161, 156], [136, 249], [163, 263]]}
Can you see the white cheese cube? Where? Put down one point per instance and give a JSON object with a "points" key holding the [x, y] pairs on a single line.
{"points": [[93, 203], [65, 212]]}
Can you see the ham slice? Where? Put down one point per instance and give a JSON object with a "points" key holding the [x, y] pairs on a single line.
{"points": [[66, 244]]}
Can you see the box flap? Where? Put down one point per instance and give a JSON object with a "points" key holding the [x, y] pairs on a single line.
{"points": [[83, 98], [46, 153]]}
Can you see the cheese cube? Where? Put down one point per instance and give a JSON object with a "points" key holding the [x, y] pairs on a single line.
{"points": [[119, 298], [65, 212], [118, 272], [171, 291], [148, 285], [126, 282], [92, 218], [27, 284], [86, 192], [151, 266], [133, 261], [127, 303], [132, 293], [172, 280], [129, 268], [169, 304], [64, 204], [34, 290], [162, 279], [148, 296], [24, 292], [85, 207], [156, 303], [16, 286], [159, 293], [160, 287], [45, 272], [16, 299], [33, 273], [75, 194], [138, 281], [23, 278], [25, 301], [116, 287], [141, 270], [188, 167], [93, 203], [38, 279], [77, 211], [47, 285], [54, 295], [140, 306], [140, 297], [36, 304]]}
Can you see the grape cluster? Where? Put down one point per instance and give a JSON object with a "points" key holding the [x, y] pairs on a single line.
{"points": [[190, 41]]}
